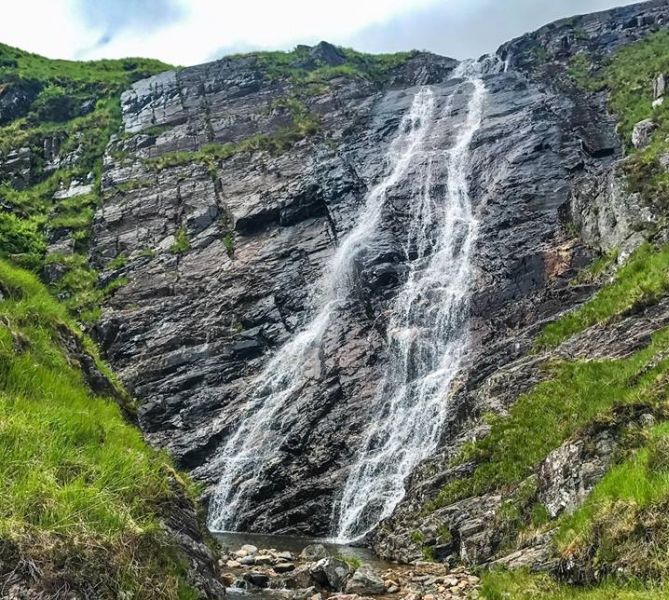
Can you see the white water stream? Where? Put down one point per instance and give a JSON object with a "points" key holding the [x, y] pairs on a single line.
{"points": [[250, 450], [426, 333]]}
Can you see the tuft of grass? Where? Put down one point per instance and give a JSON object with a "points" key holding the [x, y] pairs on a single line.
{"points": [[522, 585], [623, 527], [181, 243]]}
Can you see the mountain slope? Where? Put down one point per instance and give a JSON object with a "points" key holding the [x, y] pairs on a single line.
{"points": [[193, 237]]}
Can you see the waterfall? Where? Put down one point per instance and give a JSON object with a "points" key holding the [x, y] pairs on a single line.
{"points": [[426, 336], [249, 451]]}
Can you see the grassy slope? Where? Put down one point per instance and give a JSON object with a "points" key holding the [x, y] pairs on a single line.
{"points": [[29, 214], [83, 496], [78, 480]]}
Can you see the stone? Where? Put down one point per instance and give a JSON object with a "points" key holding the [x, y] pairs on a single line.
{"points": [[331, 572], [260, 580], [365, 581], [284, 567], [314, 552], [249, 549], [642, 133], [263, 559], [299, 578], [659, 86], [233, 564]]}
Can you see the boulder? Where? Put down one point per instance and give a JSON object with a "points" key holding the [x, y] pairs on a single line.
{"points": [[300, 578], [642, 133], [365, 581], [284, 567], [314, 552], [260, 580], [331, 572]]}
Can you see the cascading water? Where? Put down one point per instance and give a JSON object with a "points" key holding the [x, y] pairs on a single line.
{"points": [[248, 453], [426, 337]]}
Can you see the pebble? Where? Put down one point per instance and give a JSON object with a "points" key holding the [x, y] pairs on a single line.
{"points": [[233, 564]]}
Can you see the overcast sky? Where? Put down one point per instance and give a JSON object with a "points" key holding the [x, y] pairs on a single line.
{"points": [[186, 32]]}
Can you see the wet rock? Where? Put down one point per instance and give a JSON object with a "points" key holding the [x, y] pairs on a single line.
{"points": [[365, 581], [260, 580], [284, 567], [314, 552], [331, 572]]}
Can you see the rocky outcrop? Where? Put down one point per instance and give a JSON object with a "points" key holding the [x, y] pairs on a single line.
{"points": [[222, 246]]}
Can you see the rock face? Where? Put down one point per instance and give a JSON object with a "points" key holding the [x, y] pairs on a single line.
{"points": [[222, 253]]}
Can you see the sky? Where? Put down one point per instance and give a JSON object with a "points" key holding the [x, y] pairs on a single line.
{"points": [[185, 32]]}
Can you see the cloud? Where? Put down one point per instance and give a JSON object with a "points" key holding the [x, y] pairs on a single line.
{"points": [[469, 28], [111, 17], [190, 31]]}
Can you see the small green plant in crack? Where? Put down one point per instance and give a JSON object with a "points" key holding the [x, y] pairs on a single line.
{"points": [[417, 536], [181, 243], [229, 243]]}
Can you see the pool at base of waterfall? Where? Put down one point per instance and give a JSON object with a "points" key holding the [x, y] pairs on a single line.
{"points": [[301, 568], [231, 541]]}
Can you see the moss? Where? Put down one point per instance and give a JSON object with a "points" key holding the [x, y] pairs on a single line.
{"points": [[181, 242]]}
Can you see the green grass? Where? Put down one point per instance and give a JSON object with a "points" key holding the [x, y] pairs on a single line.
{"points": [[373, 67], [56, 111], [72, 468], [623, 526], [576, 395], [181, 242], [642, 280], [520, 585]]}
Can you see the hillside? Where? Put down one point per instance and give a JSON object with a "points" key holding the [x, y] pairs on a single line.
{"points": [[396, 299]]}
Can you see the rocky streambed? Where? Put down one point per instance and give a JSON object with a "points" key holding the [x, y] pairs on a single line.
{"points": [[322, 570]]}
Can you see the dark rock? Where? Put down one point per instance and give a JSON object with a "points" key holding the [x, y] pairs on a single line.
{"points": [[330, 572], [260, 580], [284, 567]]}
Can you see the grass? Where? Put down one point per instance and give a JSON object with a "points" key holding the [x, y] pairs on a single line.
{"points": [[373, 67], [623, 526], [642, 280], [578, 394], [181, 243], [60, 89], [521, 585], [73, 470]]}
